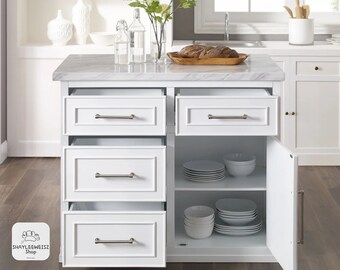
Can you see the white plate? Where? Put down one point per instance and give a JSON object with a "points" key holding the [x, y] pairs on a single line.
{"points": [[238, 234], [237, 231], [333, 41], [204, 166], [236, 206], [238, 221], [205, 181], [205, 177], [236, 217], [253, 224], [236, 214], [203, 174]]}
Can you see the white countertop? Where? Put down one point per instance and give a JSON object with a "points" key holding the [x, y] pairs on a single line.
{"points": [[102, 68]]}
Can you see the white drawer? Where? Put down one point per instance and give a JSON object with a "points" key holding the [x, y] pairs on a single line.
{"points": [[226, 115], [108, 115], [316, 68], [114, 239], [93, 173]]}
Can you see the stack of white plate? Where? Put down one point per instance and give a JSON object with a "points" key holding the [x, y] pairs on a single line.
{"points": [[199, 221], [204, 171], [237, 217]]}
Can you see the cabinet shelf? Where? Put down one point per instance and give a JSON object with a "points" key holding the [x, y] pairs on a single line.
{"points": [[226, 248], [254, 182]]}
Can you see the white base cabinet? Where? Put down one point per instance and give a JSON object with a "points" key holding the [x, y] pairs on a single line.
{"points": [[124, 193], [311, 109]]}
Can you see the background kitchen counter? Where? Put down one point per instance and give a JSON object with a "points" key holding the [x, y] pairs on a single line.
{"points": [[280, 48]]}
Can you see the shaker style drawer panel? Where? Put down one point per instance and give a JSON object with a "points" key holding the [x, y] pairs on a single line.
{"points": [[317, 68], [114, 239], [114, 173], [226, 116], [100, 115]]}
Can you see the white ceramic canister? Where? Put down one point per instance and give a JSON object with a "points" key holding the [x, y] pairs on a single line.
{"points": [[81, 21], [59, 30], [301, 31]]}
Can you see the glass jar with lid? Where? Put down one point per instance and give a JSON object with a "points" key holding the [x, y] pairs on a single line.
{"points": [[137, 39], [122, 44]]}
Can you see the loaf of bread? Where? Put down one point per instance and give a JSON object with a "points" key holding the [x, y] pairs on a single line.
{"points": [[202, 51]]}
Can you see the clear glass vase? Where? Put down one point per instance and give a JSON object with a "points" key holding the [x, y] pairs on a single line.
{"points": [[158, 42]]}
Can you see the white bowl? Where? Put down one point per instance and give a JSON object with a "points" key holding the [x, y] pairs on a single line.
{"points": [[200, 213], [198, 233], [102, 38], [199, 225], [239, 159], [240, 164], [237, 222], [239, 170]]}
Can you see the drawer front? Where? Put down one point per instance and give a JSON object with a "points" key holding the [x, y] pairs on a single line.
{"points": [[114, 174], [114, 239], [317, 68], [114, 115], [226, 116]]}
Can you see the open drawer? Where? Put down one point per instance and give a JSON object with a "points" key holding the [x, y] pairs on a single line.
{"points": [[234, 112], [109, 169], [114, 115], [95, 236]]}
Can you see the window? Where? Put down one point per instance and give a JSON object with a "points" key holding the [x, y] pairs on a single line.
{"points": [[270, 5], [262, 16]]}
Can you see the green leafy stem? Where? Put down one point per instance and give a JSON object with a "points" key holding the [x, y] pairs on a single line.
{"points": [[159, 14]]}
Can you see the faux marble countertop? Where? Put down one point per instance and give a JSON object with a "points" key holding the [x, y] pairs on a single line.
{"points": [[102, 68]]}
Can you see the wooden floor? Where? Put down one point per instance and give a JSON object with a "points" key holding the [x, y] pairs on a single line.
{"points": [[29, 191]]}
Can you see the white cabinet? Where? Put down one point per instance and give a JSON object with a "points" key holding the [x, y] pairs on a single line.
{"points": [[104, 115], [114, 173], [314, 113], [122, 196], [112, 238], [273, 185], [247, 112], [113, 179]]}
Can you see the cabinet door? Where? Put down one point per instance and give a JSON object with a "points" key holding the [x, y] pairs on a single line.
{"points": [[317, 115], [282, 204]]}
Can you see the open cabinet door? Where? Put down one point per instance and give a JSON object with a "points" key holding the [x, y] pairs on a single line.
{"points": [[282, 204]]}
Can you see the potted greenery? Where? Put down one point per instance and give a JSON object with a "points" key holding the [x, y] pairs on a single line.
{"points": [[159, 14]]}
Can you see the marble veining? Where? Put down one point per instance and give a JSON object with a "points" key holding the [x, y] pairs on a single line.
{"points": [[102, 68]]}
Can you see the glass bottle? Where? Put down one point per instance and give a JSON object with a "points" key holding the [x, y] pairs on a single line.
{"points": [[121, 43], [137, 39]]}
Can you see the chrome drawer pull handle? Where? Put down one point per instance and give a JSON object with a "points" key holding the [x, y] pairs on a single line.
{"points": [[99, 175], [302, 224], [243, 117], [98, 241], [117, 117]]}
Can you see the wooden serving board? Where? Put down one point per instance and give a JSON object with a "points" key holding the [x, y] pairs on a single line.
{"points": [[206, 61]]}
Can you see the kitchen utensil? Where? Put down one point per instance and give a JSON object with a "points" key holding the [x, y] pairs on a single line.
{"points": [[306, 11], [298, 10], [290, 12]]}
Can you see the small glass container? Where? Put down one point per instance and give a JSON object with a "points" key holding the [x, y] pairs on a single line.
{"points": [[137, 39], [122, 44]]}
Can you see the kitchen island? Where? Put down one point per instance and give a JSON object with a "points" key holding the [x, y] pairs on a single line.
{"points": [[126, 132]]}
